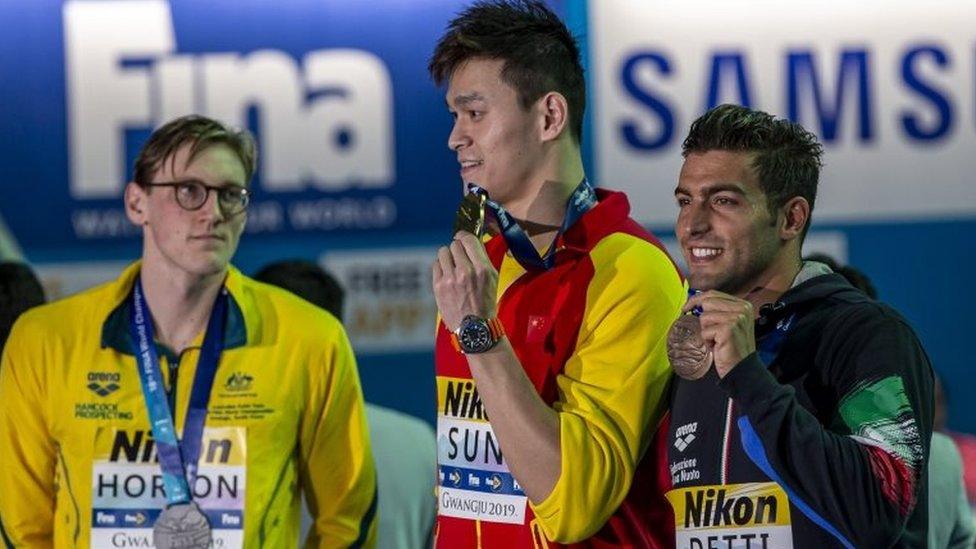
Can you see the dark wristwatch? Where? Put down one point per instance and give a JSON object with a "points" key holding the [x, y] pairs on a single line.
{"points": [[477, 335]]}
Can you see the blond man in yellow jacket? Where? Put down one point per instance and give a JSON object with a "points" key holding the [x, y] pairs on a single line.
{"points": [[255, 389]]}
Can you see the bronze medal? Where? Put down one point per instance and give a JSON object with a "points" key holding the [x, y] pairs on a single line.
{"points": [[687, 352]]}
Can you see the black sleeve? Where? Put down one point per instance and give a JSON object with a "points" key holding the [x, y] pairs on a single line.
{"points": [[863, 473]]}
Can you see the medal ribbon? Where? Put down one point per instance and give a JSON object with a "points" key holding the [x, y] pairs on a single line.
{"points": [[581, 201], [770, 343], [178, 459]]}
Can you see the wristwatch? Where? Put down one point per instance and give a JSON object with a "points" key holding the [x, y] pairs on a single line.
{"points": [[477, 335]]}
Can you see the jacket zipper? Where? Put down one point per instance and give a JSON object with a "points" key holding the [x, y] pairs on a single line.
{"points": [[726, 444]]}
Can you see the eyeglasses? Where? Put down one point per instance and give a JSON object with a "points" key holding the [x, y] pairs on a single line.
{"points": [[192, 195]]}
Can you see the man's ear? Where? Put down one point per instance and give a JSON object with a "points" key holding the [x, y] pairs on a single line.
{"points": [[136, 203], [796, 213], [555, 111]]}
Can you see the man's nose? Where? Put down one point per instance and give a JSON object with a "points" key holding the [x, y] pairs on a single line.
{"points": [[458, 137], [695, 219], [211, 206]]}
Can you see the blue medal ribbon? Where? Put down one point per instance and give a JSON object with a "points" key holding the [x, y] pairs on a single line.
{"points": [[696, 310], [770, 343], [581, 201], [178, 459]]}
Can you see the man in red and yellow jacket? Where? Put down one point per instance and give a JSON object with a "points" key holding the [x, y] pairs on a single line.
{"points": [[550, 354]]}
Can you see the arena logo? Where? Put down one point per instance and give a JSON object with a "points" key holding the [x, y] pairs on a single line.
{"points": [[103, 383], [325, 122]]}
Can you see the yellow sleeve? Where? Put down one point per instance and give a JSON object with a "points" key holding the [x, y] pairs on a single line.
{"points": [[339, 478], [27, 451], [612, 390]]}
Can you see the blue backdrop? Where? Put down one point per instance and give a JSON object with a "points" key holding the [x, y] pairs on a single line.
{"points": [[920, 266]]}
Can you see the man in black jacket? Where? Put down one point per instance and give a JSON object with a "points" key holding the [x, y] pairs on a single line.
{"points": [[812, 427]]}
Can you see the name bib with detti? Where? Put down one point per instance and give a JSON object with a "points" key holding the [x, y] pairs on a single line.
{"points": [[128, 492], [740, 516], [473, 478]]}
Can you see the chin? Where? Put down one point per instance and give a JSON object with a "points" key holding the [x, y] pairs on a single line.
{"points": [[700, 282], [207, 266]]}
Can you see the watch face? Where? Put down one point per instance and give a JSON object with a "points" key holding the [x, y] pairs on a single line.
{"points": [[474, 336]]}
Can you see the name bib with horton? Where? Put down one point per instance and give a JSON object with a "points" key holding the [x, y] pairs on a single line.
{"points": [[128, 493]]}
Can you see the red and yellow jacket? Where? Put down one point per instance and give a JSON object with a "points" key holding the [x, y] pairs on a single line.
{"points": [[591, 336]]}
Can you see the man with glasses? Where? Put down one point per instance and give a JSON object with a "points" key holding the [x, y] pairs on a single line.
{"points": [[183, 404]]}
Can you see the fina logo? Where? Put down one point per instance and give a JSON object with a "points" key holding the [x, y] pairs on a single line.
{"points": [[325, 122], [139, 518]]}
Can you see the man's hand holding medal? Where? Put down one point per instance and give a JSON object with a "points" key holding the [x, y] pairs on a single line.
{"points": [[465, 281], [715, 328]]}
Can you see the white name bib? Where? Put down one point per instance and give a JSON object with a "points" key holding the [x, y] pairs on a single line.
{"points": [[734, 516], [128, 495], [473, 478]]}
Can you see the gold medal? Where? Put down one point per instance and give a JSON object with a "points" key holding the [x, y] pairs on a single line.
{"points": [[471, 213]]}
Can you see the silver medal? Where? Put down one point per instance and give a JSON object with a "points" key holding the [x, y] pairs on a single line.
{"points": [[182, 526], [687, 352]]}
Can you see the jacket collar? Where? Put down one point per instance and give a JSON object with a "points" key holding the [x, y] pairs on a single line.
{"points": [[611, 211], [115, 329]]}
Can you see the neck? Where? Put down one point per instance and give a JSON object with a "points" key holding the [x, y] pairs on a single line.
{"points": [[776, 281], [542, 209], [179, 303]]}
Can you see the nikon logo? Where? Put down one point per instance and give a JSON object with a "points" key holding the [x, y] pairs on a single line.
{"points": [[713, 507], [103, 383], [140, 447], [462, 401]]}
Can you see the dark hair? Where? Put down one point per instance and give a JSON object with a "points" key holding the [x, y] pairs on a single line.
{"points": [[201, 132], [19, 290], [308, 281], [539, 53], [788, 157]]}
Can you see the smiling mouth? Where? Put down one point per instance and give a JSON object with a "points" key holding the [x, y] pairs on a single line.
{"points": [[703, 253], [467, 164]]}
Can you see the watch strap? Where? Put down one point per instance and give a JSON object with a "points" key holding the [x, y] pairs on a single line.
{"points": [[495, 327]]}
